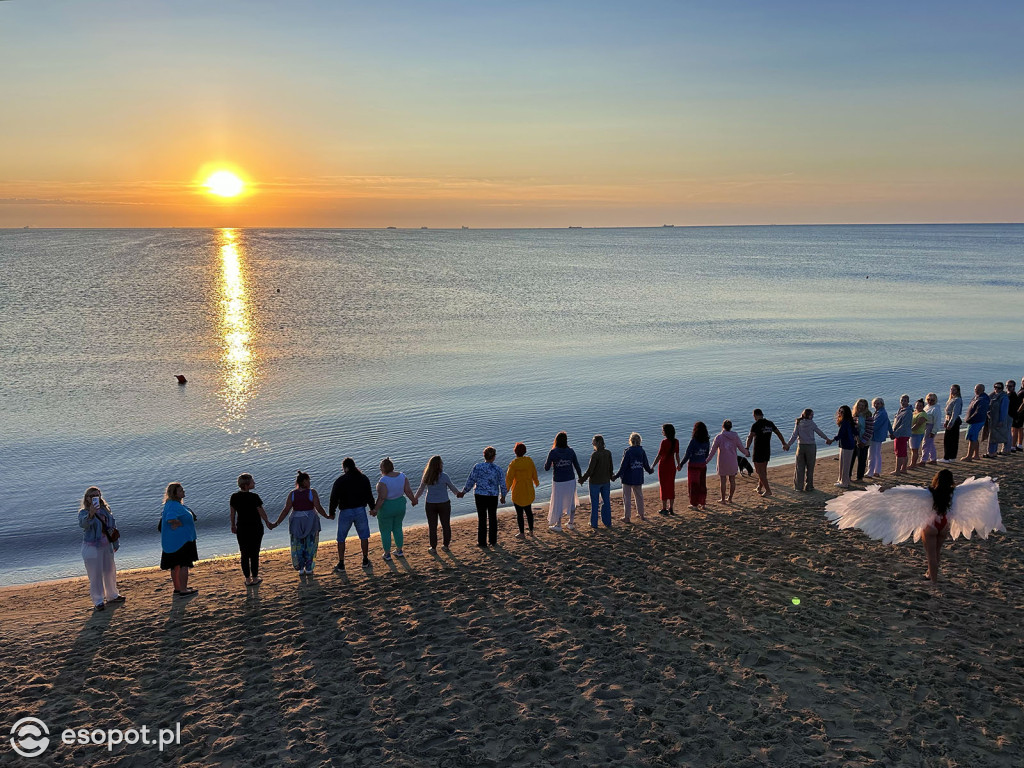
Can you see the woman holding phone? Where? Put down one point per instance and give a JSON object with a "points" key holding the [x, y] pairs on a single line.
{"points": [[98, 548]]}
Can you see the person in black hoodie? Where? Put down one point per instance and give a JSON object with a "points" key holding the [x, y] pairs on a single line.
{"points": [[350, 496]]}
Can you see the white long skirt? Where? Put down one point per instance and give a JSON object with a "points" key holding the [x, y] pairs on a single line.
{"points": [[99, 564], [563, 502]]}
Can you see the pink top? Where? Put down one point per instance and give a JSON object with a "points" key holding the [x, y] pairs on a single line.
{"points": [[726, 444]]}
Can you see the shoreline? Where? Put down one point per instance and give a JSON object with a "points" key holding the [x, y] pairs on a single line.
{"points": [[778, 462], [650, 490]]}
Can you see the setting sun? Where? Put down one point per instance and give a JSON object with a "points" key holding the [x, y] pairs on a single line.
{"points": [[224, 184]]}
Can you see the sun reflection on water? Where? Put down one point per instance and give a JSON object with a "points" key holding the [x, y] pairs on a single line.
{"points": [[239, 372]]}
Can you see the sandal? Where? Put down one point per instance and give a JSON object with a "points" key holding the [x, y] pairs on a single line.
{"points": [[186, 592]]}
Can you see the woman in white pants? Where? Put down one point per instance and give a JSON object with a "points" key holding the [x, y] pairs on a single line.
{"points": [[930, 453], [98, 550]]}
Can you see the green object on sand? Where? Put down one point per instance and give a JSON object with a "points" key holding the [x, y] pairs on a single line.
{"points": [[796, 601]]}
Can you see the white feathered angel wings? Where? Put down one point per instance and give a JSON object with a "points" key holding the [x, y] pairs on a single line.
{"points": [[901, 512]]}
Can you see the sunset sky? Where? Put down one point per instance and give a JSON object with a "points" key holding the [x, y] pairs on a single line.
{"points": [[509, 114]]}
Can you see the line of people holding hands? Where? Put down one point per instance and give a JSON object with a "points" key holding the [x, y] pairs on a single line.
{"points": [[859, 432]]}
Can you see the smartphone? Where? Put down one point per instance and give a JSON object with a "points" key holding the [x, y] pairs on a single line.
{"points": [[95, 502]]}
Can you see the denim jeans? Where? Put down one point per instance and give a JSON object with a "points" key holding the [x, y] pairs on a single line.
{"points": [[600, 497]]}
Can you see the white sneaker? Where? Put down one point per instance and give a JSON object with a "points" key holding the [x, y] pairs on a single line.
{"points": [[556, 528], [571, 526]]}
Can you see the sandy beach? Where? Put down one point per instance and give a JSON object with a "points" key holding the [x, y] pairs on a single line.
{"points": [[677, 641]]}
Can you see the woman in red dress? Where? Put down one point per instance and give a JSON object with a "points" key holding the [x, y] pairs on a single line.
{"points": [[666, 462]]}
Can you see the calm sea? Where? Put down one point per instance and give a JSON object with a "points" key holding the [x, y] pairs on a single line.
{"points": [[302, 347]]}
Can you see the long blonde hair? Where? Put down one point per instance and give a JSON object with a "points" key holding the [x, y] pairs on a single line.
{"points": [[432, 472], [85, 498]]}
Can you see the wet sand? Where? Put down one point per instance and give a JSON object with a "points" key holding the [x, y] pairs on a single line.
{"points": [[671, 642]]}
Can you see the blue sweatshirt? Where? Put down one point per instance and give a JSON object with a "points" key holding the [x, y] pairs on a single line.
{"points": [[634, 464], [977, 411], [563, 460], [883, 427], [847, 436], [903, 424], [697, 453]]}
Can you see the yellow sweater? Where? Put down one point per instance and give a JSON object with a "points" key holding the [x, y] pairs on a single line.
{"points": [[521, 479]]}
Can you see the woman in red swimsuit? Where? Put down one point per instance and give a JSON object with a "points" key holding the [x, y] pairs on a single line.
{"points": [[935, 533], [666, 462]]}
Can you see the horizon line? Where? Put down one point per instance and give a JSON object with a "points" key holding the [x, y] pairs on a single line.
{"points": [[463, 228]]}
